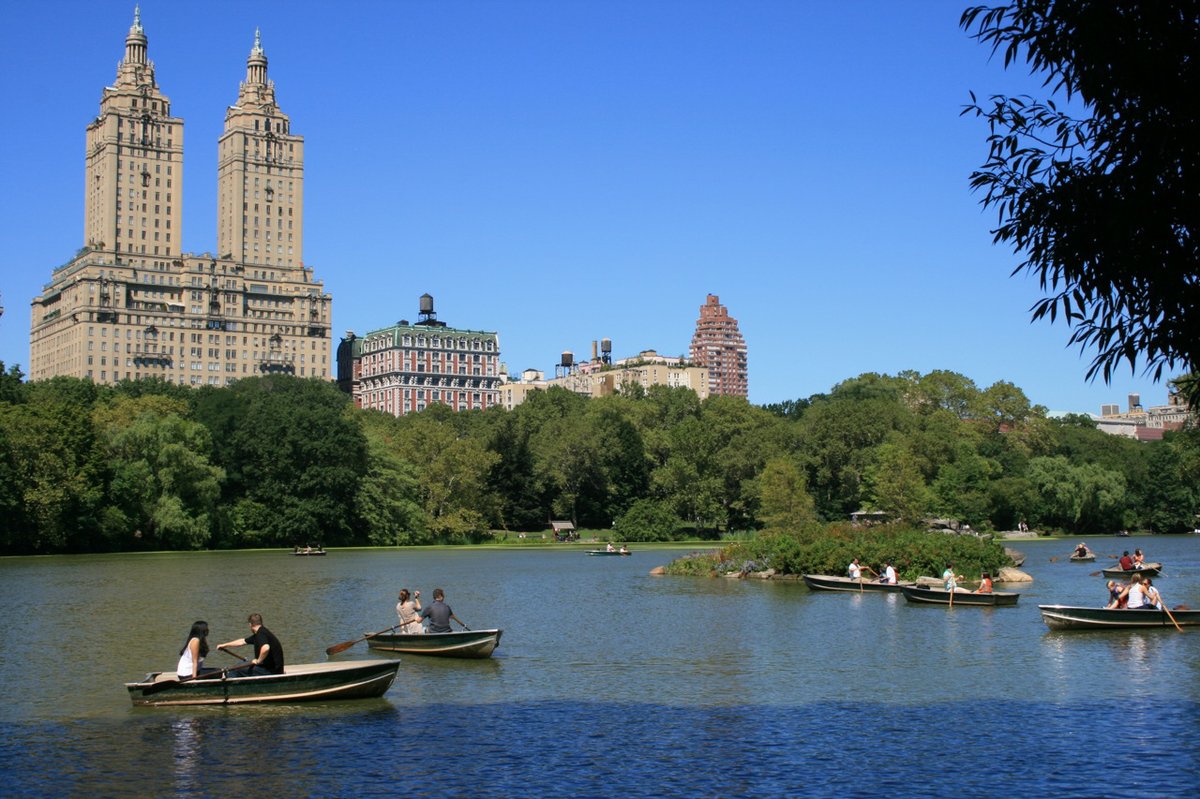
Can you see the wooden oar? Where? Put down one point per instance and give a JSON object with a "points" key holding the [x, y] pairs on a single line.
{"points": [[1165, 610], [163, 685], [234, 654], [344, 645]]}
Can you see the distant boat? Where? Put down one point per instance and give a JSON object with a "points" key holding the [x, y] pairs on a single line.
{"points": [[1069, 617], [608, 552], [921, 595], [1090, 557], [307, 553], [460, 644], [305, 682], [1151, 569], [828, 582]]}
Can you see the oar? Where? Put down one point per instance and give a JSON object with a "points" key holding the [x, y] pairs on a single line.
{"points": [[344, 645], [1166, 611], [234, 654], [163, 685]]}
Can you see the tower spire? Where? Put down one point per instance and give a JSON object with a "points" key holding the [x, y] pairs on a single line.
{"points": [[256, 64], [135, 40]]}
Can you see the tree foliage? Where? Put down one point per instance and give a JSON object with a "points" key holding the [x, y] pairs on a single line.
{"points": [[281, 461], [1096, 190]]}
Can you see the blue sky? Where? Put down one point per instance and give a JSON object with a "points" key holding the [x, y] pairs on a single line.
{"points": [[563, 171]]}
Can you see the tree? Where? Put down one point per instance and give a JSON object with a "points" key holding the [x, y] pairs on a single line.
{"points": [[1099, 199], [784, 501], [162, 489]]}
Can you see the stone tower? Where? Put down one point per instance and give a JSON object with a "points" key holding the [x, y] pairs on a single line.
{"points": [[260, 175], [134, 163]]}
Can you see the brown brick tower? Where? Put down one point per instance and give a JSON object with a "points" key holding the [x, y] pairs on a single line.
{"points": [[718, 345]]}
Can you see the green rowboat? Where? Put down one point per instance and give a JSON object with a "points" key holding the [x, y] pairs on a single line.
{"points": [[306, 682], [461, 644], [829, 582], [919, 595], [1068, 617]]}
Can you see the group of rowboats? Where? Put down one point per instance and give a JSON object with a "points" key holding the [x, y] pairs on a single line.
{"points": [[1056, 617], [308, 682]]}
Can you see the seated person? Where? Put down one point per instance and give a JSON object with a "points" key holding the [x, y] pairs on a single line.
{"points": [[1114, 595], [1125, 561], [889, 573], [985, 584], [1081, 551]]}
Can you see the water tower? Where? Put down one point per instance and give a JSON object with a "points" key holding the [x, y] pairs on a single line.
{"points": [[566, 365]]}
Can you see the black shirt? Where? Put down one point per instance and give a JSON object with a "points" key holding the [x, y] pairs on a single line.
{"points": [[274, 661]]}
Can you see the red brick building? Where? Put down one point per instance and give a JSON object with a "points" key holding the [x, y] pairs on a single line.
{"points": [[718, 345]]}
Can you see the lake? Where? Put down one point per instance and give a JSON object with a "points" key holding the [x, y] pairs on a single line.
{"points": [[608, 682]]}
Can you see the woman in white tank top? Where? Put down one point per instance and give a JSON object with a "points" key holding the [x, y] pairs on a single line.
{"points": [[195, 649]]}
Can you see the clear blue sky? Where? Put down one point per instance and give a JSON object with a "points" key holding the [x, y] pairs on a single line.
{"points": [[562, 171]]}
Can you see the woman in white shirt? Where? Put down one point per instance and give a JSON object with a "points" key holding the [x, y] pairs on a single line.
{"points": [[195, 649], [408, 609]]}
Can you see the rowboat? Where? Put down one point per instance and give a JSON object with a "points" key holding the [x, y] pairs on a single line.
{"points": [[461, 644], [311, 553], [1088, 558], [829, 582], [921, 595], [606, 552], [1067, 617], [1151, 569], [305, 682]]}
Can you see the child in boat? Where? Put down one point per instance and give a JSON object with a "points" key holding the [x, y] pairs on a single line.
{"points": [[985, 584], [1114, 595]]}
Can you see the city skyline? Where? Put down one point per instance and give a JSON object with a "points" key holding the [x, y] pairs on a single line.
{"points": [[561, 173]]}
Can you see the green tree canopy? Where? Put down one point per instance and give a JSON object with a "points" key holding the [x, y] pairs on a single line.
{"points": [[1095, 186]]}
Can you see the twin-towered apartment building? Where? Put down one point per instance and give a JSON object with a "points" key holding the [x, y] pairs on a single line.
{"points": [[131, 305]]}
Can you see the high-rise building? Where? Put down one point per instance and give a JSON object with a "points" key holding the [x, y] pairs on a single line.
{"points": [[406, 368], [129, 304], [260, 175], [718, 345]]}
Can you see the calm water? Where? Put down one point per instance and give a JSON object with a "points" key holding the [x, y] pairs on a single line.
{"points": [[608, 682]]}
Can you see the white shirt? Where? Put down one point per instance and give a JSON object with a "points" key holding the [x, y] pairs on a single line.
{"points": [[855, 571], [889, 575], [184, 669]]}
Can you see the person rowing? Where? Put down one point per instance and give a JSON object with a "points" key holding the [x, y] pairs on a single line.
{"points": [[440, 614]]}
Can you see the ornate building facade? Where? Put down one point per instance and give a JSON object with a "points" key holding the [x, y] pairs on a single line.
{"points": [[130, 304], [408, 367], [718, 346]]}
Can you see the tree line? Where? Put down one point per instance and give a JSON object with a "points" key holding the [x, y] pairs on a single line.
{"points": [[280, 461]]}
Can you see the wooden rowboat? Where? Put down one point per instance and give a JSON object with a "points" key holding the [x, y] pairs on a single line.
{"points": [[829, 582], [921, 595], [1088, 558], [606, 552], [461, 644], [1068, 617], [305, 682], [1151, 569]]}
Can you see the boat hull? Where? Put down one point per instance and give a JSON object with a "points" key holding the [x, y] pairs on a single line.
{"points": [[1068, 617], [1083, 558], [919, 595], [306, 682], [1151, 569], [829, 582], [602, 552], [464, 644]]}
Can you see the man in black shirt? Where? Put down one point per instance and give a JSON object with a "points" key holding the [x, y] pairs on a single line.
{"points": [[268, 652]]}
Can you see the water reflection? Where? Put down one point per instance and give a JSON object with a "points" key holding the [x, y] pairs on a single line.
{"points": [[185, 737]]}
